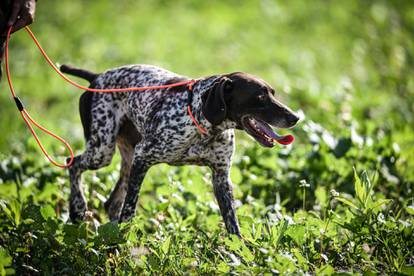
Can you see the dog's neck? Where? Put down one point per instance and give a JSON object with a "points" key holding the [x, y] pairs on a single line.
{"points": [[201, 87]]}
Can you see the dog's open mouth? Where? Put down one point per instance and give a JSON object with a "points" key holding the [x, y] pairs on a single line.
{"points": [[263, 132]]}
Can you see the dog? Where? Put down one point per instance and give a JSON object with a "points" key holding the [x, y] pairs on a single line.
{"points": [[152, 127]]}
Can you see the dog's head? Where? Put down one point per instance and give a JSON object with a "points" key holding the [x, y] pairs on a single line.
{"points": [[250, 103]]}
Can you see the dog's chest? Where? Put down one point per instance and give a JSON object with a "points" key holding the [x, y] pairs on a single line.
{"points": [[176, 149], [195, 154]]}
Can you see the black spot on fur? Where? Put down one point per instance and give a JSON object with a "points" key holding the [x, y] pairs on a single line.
{"points": [[180, 88]]}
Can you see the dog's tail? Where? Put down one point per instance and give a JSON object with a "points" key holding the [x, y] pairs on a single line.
{"points": [[84, 74]]}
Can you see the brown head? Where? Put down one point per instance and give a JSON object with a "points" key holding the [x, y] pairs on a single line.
{"points": [[249, 102]]}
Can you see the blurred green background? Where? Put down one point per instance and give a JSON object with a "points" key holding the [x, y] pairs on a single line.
{"points": [[348, 66]]}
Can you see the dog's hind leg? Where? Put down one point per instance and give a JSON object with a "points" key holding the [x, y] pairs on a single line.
{"points": [[100, 148], [138, 170], [127, 138], [143, 159], [113, 205], [95, 157]]}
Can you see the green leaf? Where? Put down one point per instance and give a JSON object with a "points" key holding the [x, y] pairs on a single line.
{"points": [[166, 245], [410, 209], [235, 175], [189, 220], [246, 254], [6, 210], [33, 212], [163, 206], [233, 242], [379, 203], [325, 270], [71, 233], [360, 191], [280, 232], [223, 267], [109, 233], [257, 231], [297, 233], [47, 212], [5, 258], [15, 207], [302, 261], [408, 270], [5, 262], [321, 196], [153, 261], [347, 202], [368, 185]]}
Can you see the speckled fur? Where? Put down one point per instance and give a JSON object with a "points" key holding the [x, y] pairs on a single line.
{"points": [[150, 127]]}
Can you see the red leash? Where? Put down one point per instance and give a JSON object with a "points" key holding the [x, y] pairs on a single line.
{"points": [[29, 120]]}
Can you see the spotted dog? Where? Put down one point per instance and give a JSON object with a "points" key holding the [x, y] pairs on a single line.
{"points": [[152, 127]]}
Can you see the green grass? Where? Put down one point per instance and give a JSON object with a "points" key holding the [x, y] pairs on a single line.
{"points": [[340, 200]]}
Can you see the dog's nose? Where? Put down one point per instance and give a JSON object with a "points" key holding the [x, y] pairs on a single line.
{"points": [[293, 119]]}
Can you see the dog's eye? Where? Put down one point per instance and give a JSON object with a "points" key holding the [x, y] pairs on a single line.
{"points": [[262, 97]]}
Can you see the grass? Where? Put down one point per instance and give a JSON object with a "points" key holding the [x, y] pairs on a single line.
{"points": [[340, 200]]}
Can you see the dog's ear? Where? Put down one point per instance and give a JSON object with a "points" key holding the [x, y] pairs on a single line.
{"points": [[214, 101]]}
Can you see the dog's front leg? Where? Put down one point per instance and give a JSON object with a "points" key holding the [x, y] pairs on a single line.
{"points": [[138, 170], [224, 194]]}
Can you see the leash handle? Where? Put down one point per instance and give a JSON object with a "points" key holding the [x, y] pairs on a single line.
{"points": [[29, 120]]}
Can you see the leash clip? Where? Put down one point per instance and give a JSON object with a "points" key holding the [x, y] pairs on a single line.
{"points": [[19, 103], [190, 85], [190, 93]]}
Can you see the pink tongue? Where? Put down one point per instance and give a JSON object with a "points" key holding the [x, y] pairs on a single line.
{"points": [[281, 139], [285, 139]]}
